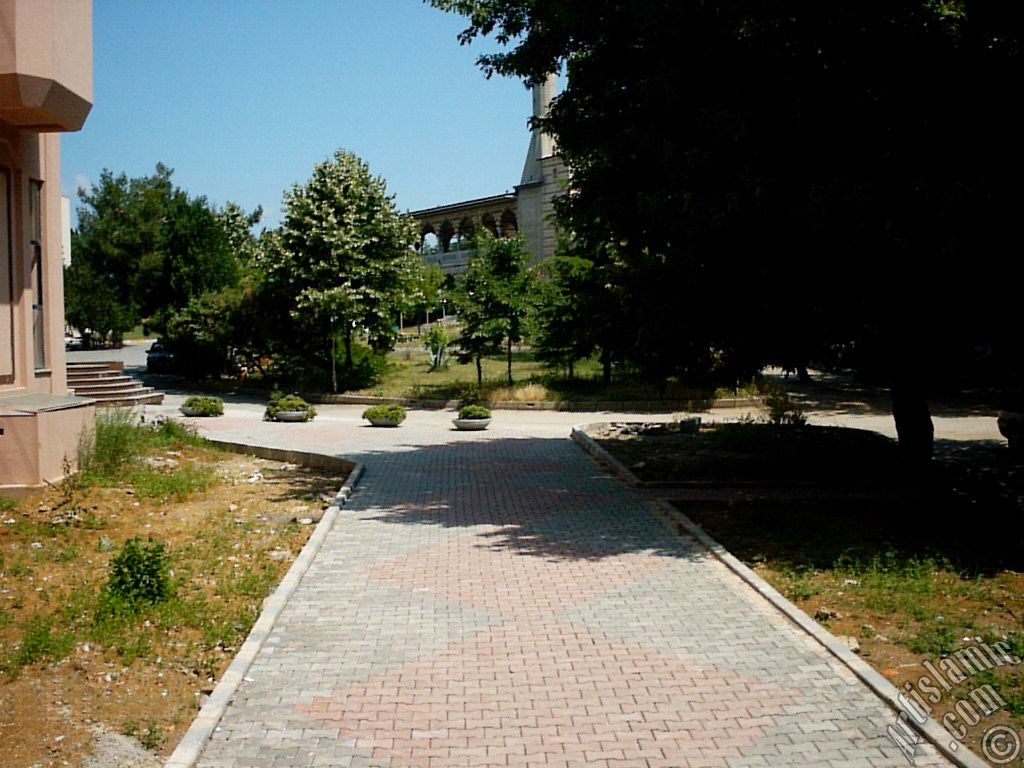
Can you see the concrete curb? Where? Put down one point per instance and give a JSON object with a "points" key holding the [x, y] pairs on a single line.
{"points": [[191, 746], [934, 733], [591, 446], [594, 406]]}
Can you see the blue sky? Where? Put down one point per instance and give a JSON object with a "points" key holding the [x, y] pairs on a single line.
{"points": [[242, 97]]}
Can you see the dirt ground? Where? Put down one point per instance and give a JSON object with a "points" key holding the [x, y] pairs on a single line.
{"points": [[76, 690]]}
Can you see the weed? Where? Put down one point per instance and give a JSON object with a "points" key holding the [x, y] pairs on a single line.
{"points": [[177, 484], [40, 641], [7, 505], [67, 554], [935, 639], [801, 585], [152, 736], [139, 573]]}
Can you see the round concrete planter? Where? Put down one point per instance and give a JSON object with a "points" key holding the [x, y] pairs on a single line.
{"points": [[381, 422], [1011, 426], [470, 425], [291, 416]]}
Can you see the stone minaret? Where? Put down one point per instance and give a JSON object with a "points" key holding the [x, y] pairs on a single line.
{"points": [[542, 145]]}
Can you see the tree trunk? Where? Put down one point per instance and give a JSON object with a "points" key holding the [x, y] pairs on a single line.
{"points": [[348, 348], [913, 420], [510, 362], [479, 374], [334, 363], [802, 374], [606, 367], [571, 368]]}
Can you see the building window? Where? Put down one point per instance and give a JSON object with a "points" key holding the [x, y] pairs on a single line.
{"points": [[35, 215]]}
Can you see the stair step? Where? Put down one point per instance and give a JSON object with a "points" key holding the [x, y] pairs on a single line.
{"points": [[154, 398], [130, 389], [105, 382]]}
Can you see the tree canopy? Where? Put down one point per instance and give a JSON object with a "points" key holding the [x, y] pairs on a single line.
{"points": [[142, 250], [341, 259], [778, 180]]}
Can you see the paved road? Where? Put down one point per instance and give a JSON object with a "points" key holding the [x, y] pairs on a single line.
{"points": [[493, 599]]}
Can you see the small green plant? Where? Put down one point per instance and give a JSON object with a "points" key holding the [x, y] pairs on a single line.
{"points": [[203, 406], [437, 341], [782, 411], [6, 504], [40, 641], [392, 413], [279, 403], [474, 412], [140, 573]]}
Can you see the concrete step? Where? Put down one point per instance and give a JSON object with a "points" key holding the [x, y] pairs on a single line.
{"points": [[106, 382], [97, 365], [127, 387], [100, 381], [153, 398]]}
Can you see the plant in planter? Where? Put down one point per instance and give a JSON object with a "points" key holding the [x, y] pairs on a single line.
{"points": [[288, 408], [472, 418], [385, 415], [202, 406]]}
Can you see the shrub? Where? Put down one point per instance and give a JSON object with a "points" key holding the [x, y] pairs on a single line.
{"points": [[140, 573], [207, 406], [119, 441], [474, 412], [437, 342], [782, 410], [394, 413], [280, 403]]}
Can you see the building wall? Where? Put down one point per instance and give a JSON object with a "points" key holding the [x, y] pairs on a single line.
{"points": [[45, 87]]}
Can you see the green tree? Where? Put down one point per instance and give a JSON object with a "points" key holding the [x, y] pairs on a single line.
{"points": [[798, 193], [144, 248], [340, 262], [495, 299]]}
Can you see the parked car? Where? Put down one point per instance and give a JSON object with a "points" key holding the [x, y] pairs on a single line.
{"points": [[159, 359]]}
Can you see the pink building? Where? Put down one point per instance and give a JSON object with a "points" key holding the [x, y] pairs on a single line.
{"points": [[45, 89]]}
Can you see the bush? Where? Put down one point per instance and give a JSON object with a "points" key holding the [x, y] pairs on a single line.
{"points": [[474, 412], [437, 342], [280, 403], [312, 372], [119, 441], [394, 413], [207, 406], [782, 411], [140, 573]]}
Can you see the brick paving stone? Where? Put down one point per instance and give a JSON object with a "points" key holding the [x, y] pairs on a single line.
{"points": [[495, 599]]}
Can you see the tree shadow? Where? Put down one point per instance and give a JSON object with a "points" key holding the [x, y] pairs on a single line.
{"points": [[842, 394], [561, 506]]}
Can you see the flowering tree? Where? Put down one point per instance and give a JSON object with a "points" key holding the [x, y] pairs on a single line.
{"points": [[341, 259]]}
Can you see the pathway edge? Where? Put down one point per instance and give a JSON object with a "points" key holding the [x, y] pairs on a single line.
{"points": [[192, 744], [934, 733]]}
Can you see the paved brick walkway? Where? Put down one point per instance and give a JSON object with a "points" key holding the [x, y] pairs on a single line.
{"points": [[493, 599]]}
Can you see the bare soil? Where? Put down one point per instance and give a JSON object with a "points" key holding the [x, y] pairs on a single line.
{"points": [[124, 693]]}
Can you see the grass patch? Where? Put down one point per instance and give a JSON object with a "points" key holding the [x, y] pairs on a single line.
{"points": [[409, 375]]}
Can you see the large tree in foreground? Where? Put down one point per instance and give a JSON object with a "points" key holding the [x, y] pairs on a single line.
{"points": [[341, 260], [778, 177]]}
